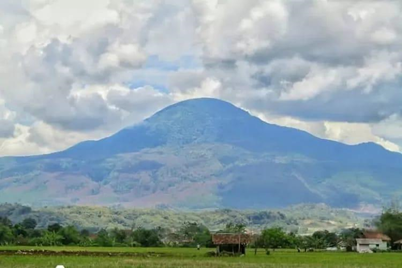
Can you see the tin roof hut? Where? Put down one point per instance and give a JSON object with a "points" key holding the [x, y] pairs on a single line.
{"points": [[376, 235], [231, 242]]}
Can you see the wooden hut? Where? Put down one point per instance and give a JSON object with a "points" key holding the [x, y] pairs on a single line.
{"points": [[231, 242], [398, 244]]}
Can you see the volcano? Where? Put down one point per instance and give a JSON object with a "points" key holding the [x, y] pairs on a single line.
{"points": [[205, 153]]}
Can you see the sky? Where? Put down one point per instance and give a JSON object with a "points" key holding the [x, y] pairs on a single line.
{"points": [[73, 70]]}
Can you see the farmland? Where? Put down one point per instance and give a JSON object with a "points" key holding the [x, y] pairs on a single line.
{"points": [[79, 257]]}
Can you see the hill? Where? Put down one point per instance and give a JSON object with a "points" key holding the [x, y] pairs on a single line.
{"points": [[301, 219], [205, 153]]}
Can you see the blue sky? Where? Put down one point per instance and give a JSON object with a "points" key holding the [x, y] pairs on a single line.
{"points": [[74, 70]]}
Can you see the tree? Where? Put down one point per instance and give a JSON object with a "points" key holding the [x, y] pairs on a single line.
{"points": [[199, 234], [118, 235], [235, 228], [274, 238], [5, 221], [315, 242], [326, 238], [302, 242], [6, 235], [146, 238], [55, 227], [258, 242], [51, 239], [203, 238], [292, 240], [19, 231], [348, 237], [70, 235], [103, 239], [29, 224], [390, 223], [35, 233], [85, 233]]}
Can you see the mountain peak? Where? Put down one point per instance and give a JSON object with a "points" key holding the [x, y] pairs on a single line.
{"points": [[195, 121], [198, 109], [202, 103]]}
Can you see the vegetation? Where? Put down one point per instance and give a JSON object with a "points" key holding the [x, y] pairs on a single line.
{"points": [[161, 247], [274, 238], [190, 234], [390, 221], [301, 219], [25, 233], [190, 257]]}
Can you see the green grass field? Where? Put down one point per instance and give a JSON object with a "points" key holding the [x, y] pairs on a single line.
{"points": [[189, 257]]}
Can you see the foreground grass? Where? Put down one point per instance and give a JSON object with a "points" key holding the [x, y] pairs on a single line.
{"points": [[187, 257], [184, 252]]}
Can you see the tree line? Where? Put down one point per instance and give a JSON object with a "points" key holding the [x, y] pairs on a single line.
{"points": [[190, 234], [389, 223], [274, 238], [26, 233]]}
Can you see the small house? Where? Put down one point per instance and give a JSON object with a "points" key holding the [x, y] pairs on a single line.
{"points": [[398, 244], [231, 242], [372, 240]]}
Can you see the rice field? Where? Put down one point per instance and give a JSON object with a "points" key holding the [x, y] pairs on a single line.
{"points": [[78, 257]]}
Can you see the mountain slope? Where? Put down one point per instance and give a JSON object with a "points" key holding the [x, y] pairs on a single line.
{"points": [[205, 153]]}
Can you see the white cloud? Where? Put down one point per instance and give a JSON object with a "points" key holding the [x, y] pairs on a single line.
{"points": [[379, 68], [354, 133], [74, 14], [124, 55], [314, 83], [209, 87], [72, 70], [235, 29], [97, 111], [349, 133], [384, 36]]}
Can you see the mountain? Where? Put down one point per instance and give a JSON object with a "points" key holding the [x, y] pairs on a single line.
{"points": [[205, 153]]}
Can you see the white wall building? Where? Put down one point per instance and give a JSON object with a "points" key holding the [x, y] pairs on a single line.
{"points": [[368, 244], [372, 240]]}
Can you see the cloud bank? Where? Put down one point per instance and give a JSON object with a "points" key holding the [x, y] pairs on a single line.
{"points": [[74, 70]]}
